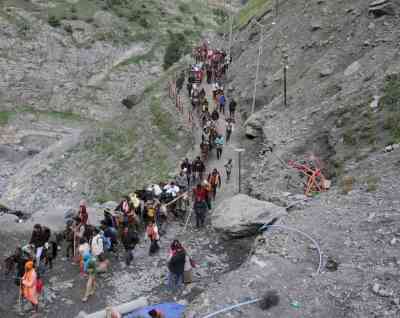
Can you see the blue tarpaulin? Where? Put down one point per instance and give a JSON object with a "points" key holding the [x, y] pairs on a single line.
{"points": [[170, 310]]}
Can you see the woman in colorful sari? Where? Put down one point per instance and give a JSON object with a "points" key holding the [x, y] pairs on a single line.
{"points": [[28, 285]]}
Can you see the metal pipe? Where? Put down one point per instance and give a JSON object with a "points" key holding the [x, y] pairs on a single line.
{"points": [[253, 105], [231, 28], [240, 172], [284, 227], [284, 83], [249, 302]]}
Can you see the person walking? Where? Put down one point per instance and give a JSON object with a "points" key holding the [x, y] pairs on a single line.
{"points": [[153, 236], [176, 266], [219, 142], [188, 166], [200, 204], [97, 247], [228, 169], [90, 268], [189, 87], [221, 102], [129, 240], [28, 285], [198, 169], [83, 249], [38, 240], [83, 215], [214, 178], [232, 109], [229, 129]]}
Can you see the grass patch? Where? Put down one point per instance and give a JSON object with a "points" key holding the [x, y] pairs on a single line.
{"points": [[5, 117], [82, 10], [163, 120], [347, 184], [253, 8], [114, 142], [372, 183]]}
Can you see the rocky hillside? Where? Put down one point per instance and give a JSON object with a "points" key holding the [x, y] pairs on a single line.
{"points": [[343, 92], [343, 85], [67, 66]]}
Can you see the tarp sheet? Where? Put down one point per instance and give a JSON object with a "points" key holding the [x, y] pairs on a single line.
{"points": [[171, 310]]}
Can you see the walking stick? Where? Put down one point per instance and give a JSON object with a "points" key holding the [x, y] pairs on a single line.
{"points": [[187, 220], [74, 244], [20, 295]]}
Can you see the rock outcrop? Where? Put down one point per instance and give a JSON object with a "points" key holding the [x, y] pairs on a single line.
{"points": [[242, 216]]}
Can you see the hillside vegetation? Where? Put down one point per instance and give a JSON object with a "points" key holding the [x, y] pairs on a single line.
{"points": [[67, 66]]}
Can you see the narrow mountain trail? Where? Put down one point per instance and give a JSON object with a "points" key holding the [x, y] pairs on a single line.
{"points": [[230, 188]]}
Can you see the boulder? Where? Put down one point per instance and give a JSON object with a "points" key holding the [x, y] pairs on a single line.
{"points": [[326, 70], [379, 8], [316, 25], [352, 68], [254, 126], [131, 101], [104, 19], [242, 216]]}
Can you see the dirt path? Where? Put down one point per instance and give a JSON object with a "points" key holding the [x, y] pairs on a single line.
{"points": [[230, 188]]}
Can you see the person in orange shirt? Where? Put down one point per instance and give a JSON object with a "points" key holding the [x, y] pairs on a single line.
{"points": [[28, 285]]}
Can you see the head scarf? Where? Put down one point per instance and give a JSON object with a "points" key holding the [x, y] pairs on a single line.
{"points": [[28, 266]]}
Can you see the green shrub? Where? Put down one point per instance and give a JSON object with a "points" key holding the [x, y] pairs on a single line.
{"points": [[349, 137], [54, 21], [390, 104], [144, 22], [4, 118], [391, 99], [177, 46], [184, 8], [22, 26], [220, 15]]}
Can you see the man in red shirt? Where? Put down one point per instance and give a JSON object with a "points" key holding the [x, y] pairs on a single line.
{"points": [[200, 205]]}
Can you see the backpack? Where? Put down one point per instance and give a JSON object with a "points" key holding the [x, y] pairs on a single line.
{"points": [[151, 212], [106, 242]]}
